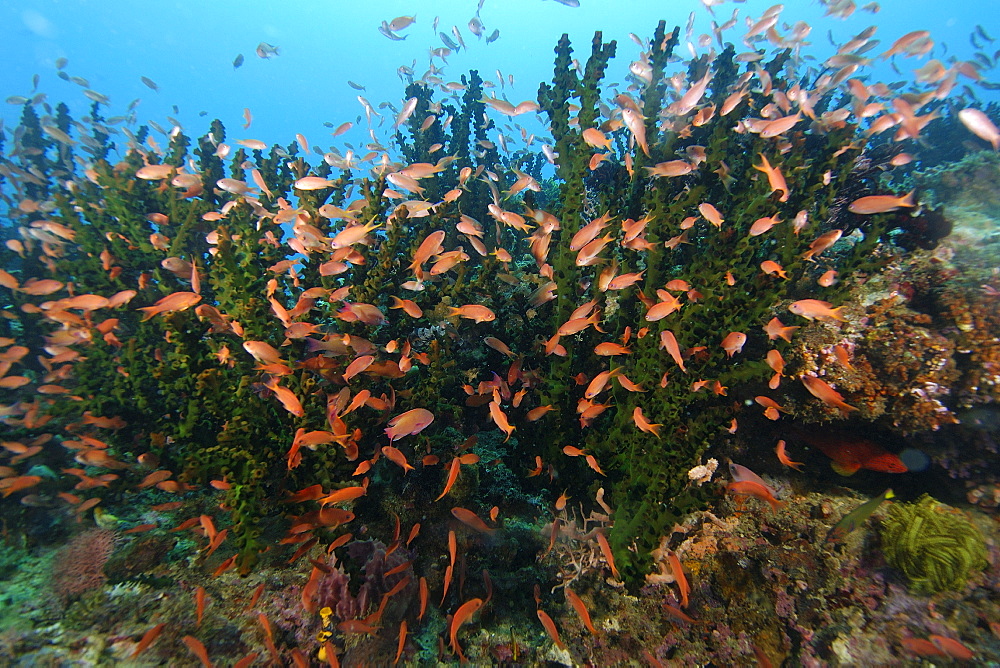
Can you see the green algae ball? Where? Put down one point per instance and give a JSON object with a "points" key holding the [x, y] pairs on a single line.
{"points": [[935, 546]]}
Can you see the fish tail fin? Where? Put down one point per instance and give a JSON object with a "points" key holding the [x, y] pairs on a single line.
{"points": [[909, 199], [837, 314], [844, 469]]}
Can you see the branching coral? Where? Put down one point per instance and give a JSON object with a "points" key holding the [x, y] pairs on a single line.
{"points": [[318, 305]]}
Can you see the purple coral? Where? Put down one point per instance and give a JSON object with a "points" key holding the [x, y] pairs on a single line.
{"points": [[334, 590]]}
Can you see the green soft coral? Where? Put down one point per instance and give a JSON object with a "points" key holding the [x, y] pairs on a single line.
{"points": [[936, 547]]}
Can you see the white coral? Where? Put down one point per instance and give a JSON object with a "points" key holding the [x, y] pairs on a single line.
{"points": [[703, 473]]}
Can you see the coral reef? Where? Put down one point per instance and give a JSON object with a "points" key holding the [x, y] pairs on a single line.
{"points": [[353, 406]]}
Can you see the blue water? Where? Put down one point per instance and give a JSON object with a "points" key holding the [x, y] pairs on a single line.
{"points": [[188, 49]]}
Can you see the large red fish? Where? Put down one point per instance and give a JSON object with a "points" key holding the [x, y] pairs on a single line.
{"points": [[850, 453]]}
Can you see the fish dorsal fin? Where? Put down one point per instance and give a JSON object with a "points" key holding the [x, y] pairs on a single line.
{"points": [[844, 469]]}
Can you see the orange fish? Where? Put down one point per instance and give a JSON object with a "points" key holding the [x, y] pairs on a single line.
{"points": [[678, 613], [776, 329], [849, 454], [771, 407], [499, 346], [774, 177], [776, 362], [470, 519], [414, 532], [453, 471], [198, 649], [602, 542], [711, 214], [784, 459], [396, 456], [821, 243], [822, 390], [10, 485], [733, 343], [578, 324], [40, 287], [153, 478], [645, 425], [625, 280], [844, 357], [286, 397], [255, 596], [636, 124], [592, 463], [357, 366], [411, 422], [337, 496], [354, 234], [310, 493], [462, 615], [670, 169], [177, 301], [921, 647], [8, 281], [550, 627], [828, 279], [141, 528], [402, 642], [756, 490], [596, 138], [538, 468], [537, 413], [474, 312], [815, 309], [199, 599], [356, 626], [610, 348], [669, 343], [951, 647], [773, 268], [679, 577], [581, 609], [598, 383], [147, 639], [500, 418], [980, 125], [168, 506], [424, 593], [882, 203], [624, 381]]}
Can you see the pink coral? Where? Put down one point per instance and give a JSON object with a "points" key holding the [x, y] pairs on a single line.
{"points": [[78, 566]]}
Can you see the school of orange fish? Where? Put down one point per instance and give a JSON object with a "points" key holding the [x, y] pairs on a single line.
{"points": [[82, 317]]}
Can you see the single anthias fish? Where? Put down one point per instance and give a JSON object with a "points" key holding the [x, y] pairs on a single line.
{"points": [[857, 517], [851, 453]]}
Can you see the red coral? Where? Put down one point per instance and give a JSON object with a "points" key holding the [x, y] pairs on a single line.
{"points": [[78, 566]]}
